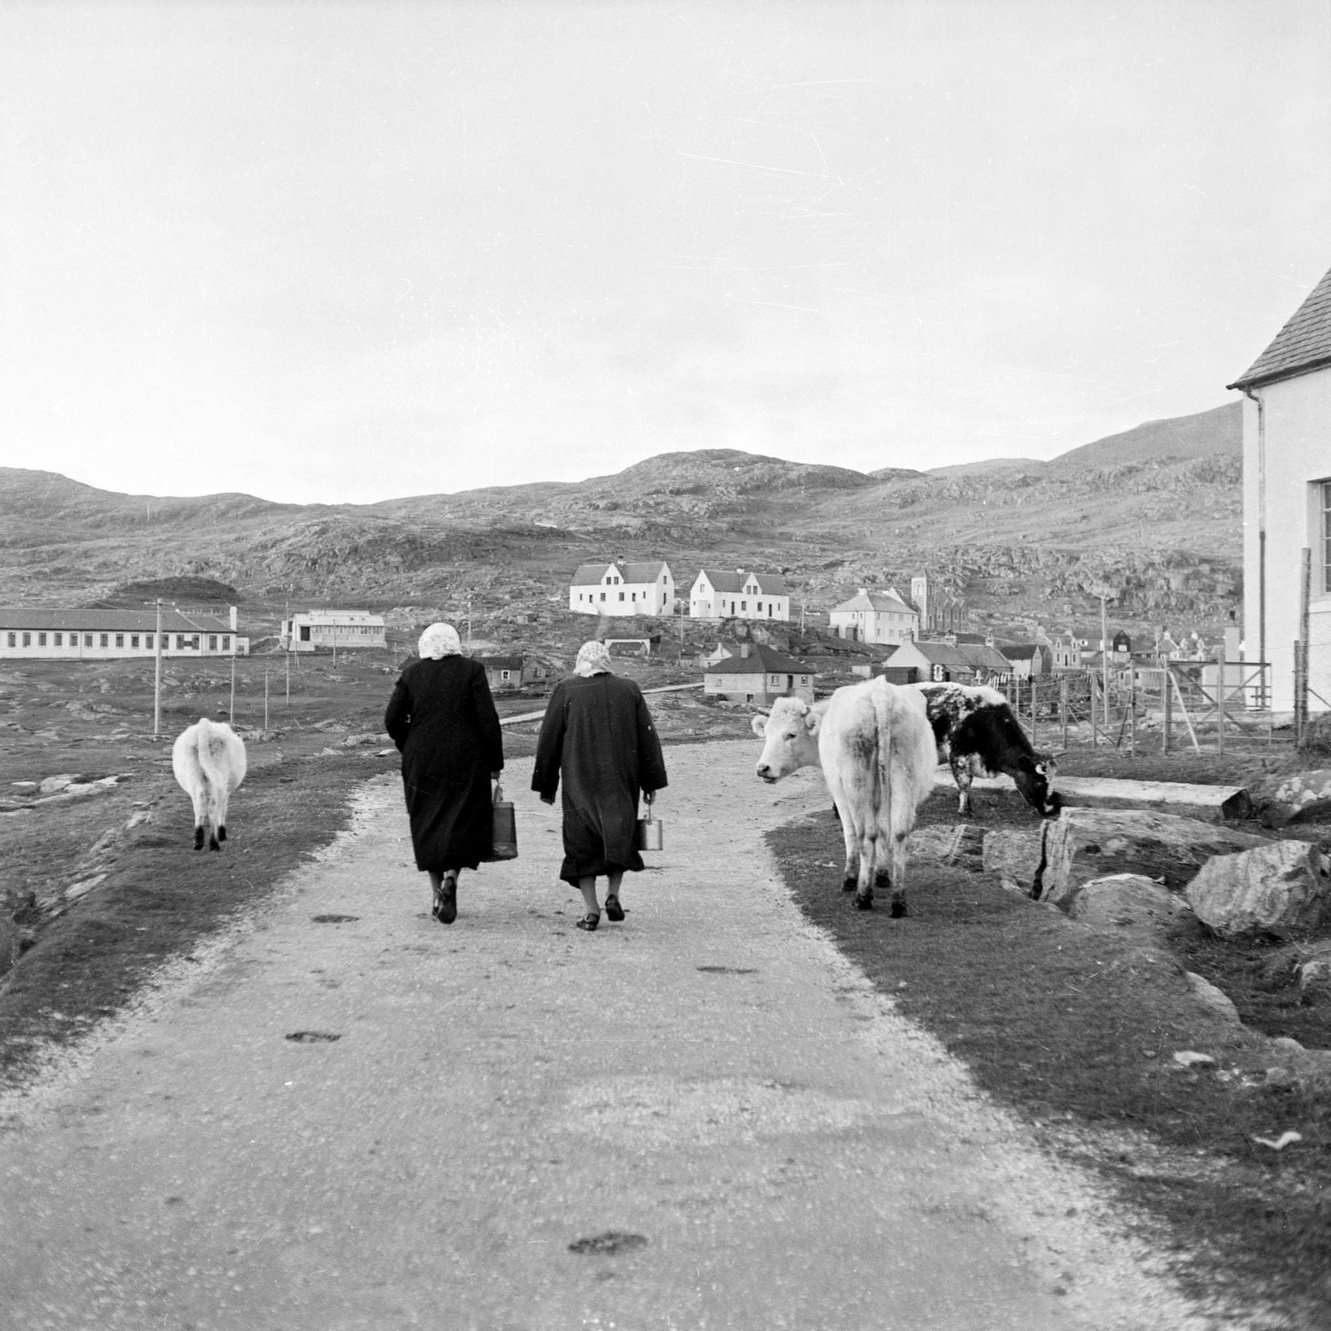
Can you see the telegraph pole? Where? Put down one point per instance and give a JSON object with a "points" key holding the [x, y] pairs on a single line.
{"points": [[157, 675]]}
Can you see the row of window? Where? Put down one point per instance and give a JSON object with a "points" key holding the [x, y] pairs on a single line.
{"points": [[140, 641]]}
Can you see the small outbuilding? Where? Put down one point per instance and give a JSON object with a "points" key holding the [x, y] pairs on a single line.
{"points": [[759, 674]]}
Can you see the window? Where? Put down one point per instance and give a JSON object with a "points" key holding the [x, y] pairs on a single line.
{"points": [[13, 640], [212, 642], [621, 596], [133, 639], [87, 639], [120, 639], [226, 642], [57, 639], [147, 639], [27, 639], [41, 640], [104, 639]]}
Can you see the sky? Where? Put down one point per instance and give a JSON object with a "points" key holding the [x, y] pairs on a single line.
{"points": [[344, 252]]}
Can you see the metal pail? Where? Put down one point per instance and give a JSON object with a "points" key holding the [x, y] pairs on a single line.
{"points": [[650, 834]]}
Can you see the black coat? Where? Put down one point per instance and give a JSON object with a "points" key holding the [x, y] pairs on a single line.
{"points": [[598, 735], [443, 720]]}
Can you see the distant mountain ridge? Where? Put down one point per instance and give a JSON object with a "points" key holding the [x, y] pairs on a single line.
{"points": [[1156, 510]]}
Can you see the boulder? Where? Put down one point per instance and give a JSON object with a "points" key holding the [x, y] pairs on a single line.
{"points": [[1314, 971], [1082, 844], [1280, 890], [959, 845], [1015, 856], [1128, 901], [1280, 800], [1214, 999]]}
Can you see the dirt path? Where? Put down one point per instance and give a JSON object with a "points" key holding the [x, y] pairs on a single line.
{"points": [[701, 1118]]}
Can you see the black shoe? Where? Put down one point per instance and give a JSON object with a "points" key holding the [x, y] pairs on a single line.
{"points": [[446, 899], [613, 910], [590, 921]]}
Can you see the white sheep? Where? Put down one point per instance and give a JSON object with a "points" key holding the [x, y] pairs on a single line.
{"points": [[209, 762]]}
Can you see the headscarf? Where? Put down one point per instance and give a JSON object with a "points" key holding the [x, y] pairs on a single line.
{"points": [[439, 640], [593, 659]]}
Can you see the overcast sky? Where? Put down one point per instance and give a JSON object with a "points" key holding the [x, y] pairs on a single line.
{"points": [[350, 251]]}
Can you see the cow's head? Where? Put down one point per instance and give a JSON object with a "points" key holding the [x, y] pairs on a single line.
{"points": [[788, 733], [1035, 779]]}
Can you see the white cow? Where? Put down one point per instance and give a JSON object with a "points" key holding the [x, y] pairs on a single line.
{"points": [[877, 752], [209, 762]]}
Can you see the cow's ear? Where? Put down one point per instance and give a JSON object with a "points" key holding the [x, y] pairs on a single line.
{"points": [[759, 724], [812, 720]]}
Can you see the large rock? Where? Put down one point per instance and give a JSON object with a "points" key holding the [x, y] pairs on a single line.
{"points": [[1015, 855], [1081, 844], [1128, 901], [1280, 890], [1286, 799]]}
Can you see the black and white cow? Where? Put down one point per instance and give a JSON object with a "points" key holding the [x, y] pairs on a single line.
{"points": [[977, 735]]}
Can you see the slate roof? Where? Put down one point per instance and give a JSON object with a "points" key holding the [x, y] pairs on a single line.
{"points": [[964, 655], [1303, 344], [771, 584], [733, 580], [113, 621], [879, 602], [724, 580], [590, 575], [761, 660]]}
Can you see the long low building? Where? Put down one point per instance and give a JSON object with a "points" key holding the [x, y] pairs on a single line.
{"points": [[101, 635]]}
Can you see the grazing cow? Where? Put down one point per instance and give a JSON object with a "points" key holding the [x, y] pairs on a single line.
{"points": [[209, 762], [877, 753], [977, 735]]}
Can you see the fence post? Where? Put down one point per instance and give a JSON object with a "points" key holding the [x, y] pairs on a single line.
{"points": [[1169, 709]]}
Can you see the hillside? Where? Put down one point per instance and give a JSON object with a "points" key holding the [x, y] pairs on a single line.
{"points": [[1155, 511]]}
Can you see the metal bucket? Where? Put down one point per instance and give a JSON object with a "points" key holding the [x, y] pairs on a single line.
{"points": [[505, 839], [651, 834]]}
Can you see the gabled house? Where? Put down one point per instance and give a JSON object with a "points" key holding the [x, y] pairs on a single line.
{"points": [[959, 662], [1287, 501], [1029, 660], [623, 588], [875, 617], [726, 594], [758, 674]]}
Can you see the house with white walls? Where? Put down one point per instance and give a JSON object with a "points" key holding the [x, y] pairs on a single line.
{"points": [[737, 594], [27, 633], [327, 630], [622, 587], [1287, 504], [875, 617]]}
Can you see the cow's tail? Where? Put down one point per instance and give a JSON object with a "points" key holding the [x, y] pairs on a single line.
{"points": [[882, 764]]}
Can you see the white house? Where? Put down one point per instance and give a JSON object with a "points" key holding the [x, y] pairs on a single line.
{"points": [[311, 630], [875, 617], [723, 594], [1287, 501], [758, 674], [102, 635], [623, 588], [959, 662]]}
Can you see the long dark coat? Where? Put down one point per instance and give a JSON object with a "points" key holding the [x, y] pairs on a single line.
{"points": [[598, 735], [443, 720]]}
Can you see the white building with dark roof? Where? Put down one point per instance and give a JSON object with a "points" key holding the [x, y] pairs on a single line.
{"points": [[736, 594], [1287, 501], [101, 635], [623, 587], [875, 617]]}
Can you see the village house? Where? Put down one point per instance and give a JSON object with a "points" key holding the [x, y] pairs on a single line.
{"points": [[955, 662], [1287, 502], [509, 674], [726, 594], [623, 588], [875, 617], [1029, 660], [100, 635], [327, 630], [759, 674]]}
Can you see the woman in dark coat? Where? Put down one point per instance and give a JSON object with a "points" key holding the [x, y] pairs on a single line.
{"points": [[443, 720], [598, 735]]}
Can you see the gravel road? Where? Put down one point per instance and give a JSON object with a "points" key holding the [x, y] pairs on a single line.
{"points": [[700, 1118]]}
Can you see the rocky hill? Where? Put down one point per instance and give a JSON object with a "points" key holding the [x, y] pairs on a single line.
{"points": [[1154, 512]]}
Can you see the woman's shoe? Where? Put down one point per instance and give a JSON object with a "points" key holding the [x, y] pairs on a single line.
{"points": [[446, 899], [590, 921], [613, 910]]}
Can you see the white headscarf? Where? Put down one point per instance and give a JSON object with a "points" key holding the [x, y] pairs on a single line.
{"points": [[593, 659], [439, 640]]}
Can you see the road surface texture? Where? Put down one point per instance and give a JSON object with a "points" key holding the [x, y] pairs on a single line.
{"points": [[701, 1118]]}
